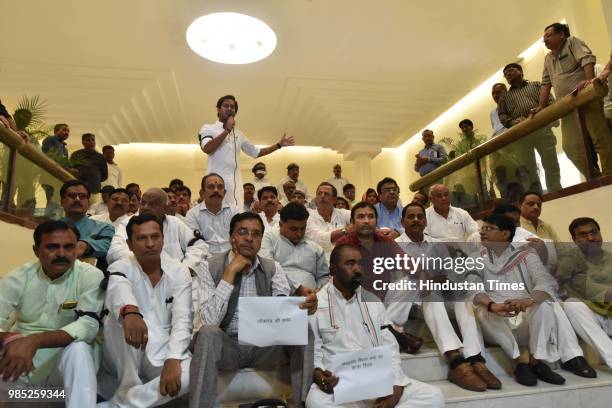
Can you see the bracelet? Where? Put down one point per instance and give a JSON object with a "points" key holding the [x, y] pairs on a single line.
{"points": [[279, 146], [11, 338], [491, 303], [130, 313]]}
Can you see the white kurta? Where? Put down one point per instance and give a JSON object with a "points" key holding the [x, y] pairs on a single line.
{"points": [[225, 161], [304, 263], [176, 238], [458, 226], [168, 314], [348, 332], [270, 225], [318, 230], [106, 218]]}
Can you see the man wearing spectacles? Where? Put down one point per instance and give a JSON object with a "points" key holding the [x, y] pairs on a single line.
{"points": [[242, 272], [389, 208], [585, 274], [96, 236]]}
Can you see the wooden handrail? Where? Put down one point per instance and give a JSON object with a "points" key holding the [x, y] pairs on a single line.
{"points": [[556, 111], [36, 156]]}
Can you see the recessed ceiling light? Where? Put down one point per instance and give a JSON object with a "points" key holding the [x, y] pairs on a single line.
{"points": [[231, 38]]}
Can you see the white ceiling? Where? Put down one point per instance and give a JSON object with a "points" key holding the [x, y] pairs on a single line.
{"points": [[350, 75]]}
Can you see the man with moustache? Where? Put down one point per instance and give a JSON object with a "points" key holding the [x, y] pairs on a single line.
{"points": [[183, 200], [288, 189], [431, 156], [293, 174], [389, 209], [340, 326], [467, 367], [249, 197], [514, 107], [268, 203], [171, 204], [374, 244], [95, 236], [530, 204], [147, 333], [49, 311], [213, 215], [236, 273], [222, 142], [302, 259], [118, 204], [90, 163]]}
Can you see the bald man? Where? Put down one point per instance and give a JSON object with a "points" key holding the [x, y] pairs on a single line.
{"points": [[176, 234]]}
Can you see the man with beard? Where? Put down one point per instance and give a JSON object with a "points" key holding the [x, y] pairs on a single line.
{"points": [[585, 273], [467, 367], [147, 333], [95, 236], [233, 274], [222, 142], [213, 215], [373, 244], [520, 316], [118, 205], [268, 203], [302, 259], [49, 318], [340, 326]]}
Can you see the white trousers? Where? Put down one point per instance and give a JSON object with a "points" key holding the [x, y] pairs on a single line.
{"points": [[415, 395], [75, 371], [566, 336], [593, 328], [535, 328], [438, 322], [137, 378]]}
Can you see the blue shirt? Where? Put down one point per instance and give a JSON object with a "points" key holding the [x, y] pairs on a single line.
{"points": [[388, 219], [437, 156], [55, 143], [98, 236]]}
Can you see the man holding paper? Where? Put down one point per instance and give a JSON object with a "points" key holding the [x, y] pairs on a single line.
{"points": [[232, 275], [350, 319]]}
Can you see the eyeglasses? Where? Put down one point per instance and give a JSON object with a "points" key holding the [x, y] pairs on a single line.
{"points": [[74, 196], [488, 228], [243, 232]]}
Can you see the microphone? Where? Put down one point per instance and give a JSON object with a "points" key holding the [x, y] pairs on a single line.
{"points": [[229, 115]]}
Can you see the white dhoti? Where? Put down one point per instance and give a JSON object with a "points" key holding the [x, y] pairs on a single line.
{"points": [[129, 378], [415, 395], [535, 328], [440, 326], [593, 328], [566, 336]]}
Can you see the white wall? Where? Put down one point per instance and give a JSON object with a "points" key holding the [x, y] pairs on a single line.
{"points": [[16, 247]]}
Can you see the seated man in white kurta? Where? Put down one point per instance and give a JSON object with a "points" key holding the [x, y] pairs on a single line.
{"points": [[56, 301], [339, 326], [147, 333], [520, 316], [302, 259]]}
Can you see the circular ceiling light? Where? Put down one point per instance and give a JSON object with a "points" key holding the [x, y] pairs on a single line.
{"points": [[231, 38]]}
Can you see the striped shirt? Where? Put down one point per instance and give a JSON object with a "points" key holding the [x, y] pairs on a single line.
{"points": [[518, 101]]}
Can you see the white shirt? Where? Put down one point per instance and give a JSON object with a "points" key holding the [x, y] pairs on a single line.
{"points": [[319, 231], [106, 218], [176, 237], [270, 225], [215, 299], [259, 183], [166, 307], [304, 263], [213, 227], [349, 331], [496, 124], [98, 208], [299, 185], [115, 177], [225, 161], [339, 183], [457, 227]]}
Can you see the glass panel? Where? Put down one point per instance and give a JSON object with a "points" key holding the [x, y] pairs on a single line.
{"points": [[464, 189], [5, 152], [36, 193]]}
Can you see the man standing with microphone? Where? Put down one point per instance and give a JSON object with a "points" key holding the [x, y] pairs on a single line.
{"points": [[222, 142]]}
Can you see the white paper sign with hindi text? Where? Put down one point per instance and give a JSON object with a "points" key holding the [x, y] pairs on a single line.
{"points": [[363, 375], [272, 321]]}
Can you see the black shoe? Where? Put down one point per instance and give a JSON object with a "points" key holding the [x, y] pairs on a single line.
{"points": [[546, 374], [407, 342], [579, 366], [524, 375]]}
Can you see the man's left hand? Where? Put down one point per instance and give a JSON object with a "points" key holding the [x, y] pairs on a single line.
{"points": [[311, 299], [390, 401], [17, 359], [170, 379], [519, 305], [286, 141]]}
